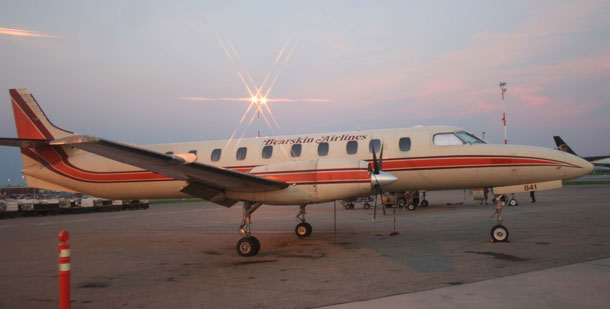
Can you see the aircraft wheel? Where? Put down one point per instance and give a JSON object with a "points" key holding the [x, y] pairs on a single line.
{"points": [[411, 206], [513, 202], [366, 205], [350, 206], [303, 229], [424, 203], [248, 246], [499, 233]]}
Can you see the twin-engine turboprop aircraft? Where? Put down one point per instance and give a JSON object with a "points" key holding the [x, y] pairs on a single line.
{"points": [[284, 170]]}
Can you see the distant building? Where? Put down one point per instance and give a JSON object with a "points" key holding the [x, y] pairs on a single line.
{"points": [[6, 191]]}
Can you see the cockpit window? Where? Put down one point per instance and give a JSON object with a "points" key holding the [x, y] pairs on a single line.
{"points": [[469, 138], [446, 139]]}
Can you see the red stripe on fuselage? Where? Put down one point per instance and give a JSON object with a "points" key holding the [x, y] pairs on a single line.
{"points": [[319, 176]]}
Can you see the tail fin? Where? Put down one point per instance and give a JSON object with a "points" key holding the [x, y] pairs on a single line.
{"points": [[563, 146], [30, 120]]}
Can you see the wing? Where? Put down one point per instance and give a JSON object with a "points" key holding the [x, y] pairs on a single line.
{"points": [[205, 181]]}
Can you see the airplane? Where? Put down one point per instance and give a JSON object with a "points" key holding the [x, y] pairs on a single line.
{"points": [[600, 163], [282, 170]]}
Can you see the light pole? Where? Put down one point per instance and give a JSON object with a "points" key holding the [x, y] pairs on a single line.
{"points": [[503, 87]]}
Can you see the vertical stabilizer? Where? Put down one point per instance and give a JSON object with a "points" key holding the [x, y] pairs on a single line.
{"points": [[561, 145], [30, 120], [32, 123]]}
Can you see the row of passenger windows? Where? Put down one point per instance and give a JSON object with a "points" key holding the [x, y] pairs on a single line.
{"points": [[404, 144], [351, 147]]}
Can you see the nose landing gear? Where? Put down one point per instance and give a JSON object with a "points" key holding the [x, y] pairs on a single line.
{"points": [[499, 233]]}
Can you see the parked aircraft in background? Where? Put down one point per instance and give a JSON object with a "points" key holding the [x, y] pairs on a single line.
{"points": [[282, 170], [600, 163]]}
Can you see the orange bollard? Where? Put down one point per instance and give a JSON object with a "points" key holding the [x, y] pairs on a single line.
{"points": [[64, 270]]}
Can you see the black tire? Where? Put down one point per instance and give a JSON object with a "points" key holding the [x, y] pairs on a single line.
{"points": [[303, 230], [350, 206], [366, 205], [513, 202], [499, 233], [388, 205], [248, 246], [411, 206], [424, 203]]}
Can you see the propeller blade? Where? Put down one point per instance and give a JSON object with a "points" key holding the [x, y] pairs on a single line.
{"points": [[375, 162], [381, 194], [381, 158], [375, 207]]}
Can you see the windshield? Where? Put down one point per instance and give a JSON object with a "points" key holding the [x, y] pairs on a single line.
{"points": [[469, 138]]}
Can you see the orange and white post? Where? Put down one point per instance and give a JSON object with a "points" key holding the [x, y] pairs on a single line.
{"points": [[64, 270]]}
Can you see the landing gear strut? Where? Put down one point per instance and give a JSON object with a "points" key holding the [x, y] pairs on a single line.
{"points": [[499, 233], [424, 202], [302, 229], [248, 245]]}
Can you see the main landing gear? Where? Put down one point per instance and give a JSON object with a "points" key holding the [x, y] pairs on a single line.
{"points": [[248, 245], [302, 229], [499, 233]]}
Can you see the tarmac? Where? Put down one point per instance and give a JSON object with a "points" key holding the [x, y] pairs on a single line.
{"points": [[183, 255], [583, 285]]}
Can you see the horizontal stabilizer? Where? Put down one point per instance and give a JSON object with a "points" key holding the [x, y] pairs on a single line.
{"points": [[22, 142]]}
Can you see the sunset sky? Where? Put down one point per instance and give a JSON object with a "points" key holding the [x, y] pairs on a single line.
{"points": [[121, 69]]}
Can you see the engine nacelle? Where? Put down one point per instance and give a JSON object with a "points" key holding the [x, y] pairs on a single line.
{"points": [[314, 181]]}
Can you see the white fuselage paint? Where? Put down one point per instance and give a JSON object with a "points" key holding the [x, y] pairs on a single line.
{"points": [[424, 166]]}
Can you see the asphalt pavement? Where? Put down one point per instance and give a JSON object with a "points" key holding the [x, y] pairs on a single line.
{"points": [[183, 255]]}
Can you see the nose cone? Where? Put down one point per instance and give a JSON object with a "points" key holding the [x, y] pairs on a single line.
{"points": [[584, 167], [383, 179]]}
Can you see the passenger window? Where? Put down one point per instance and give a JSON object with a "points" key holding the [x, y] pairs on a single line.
{"points": [[295, 151], [374, 144], [352, 147], [404, 144], [267, 152], [241, 153], [323, 149], [216, 154], [447, 139], [193, 152], [169, 153]]}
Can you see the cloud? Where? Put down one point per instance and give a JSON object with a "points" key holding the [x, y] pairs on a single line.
{"points": [[23, 32]]}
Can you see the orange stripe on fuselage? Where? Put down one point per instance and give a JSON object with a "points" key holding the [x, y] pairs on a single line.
{"points": [[57, 162], [463, 162], [319, 176]]}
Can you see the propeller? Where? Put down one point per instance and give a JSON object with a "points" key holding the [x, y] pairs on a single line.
{"points": [[379, 179]]}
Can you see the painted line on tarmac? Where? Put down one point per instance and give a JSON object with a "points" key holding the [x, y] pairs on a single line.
{"points": [[82, 220], [146, 215], [3, 226], [196, 210], [45, 223]]}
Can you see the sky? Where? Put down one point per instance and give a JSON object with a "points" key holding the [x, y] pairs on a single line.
{"points": [[121, 69]]}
